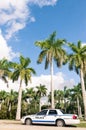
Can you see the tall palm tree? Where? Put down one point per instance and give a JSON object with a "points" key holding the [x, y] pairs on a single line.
{"points": [[51, 50], [22, 72], [41, 91], [76, 61]]}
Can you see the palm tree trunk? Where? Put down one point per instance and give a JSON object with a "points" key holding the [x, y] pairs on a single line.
{"points": [[18, 113], [78, 106], [35, 105], [0, 105], [52, 88], [40, 104], [83, 91], [80, 115]]}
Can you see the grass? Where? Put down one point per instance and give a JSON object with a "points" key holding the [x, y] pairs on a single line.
{"points": [[82, 124]]}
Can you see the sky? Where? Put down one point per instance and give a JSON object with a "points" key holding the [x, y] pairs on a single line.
{"points": [[23, 22]]}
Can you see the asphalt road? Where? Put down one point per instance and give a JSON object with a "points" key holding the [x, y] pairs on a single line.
{"points": [[13, 125]]}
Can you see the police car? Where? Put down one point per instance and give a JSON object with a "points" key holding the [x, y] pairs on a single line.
{"points": [[51, 116]]}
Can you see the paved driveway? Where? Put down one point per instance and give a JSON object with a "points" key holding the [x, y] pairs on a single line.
{"points": [[13, 125]]}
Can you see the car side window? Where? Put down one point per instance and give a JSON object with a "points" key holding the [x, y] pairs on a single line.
{"points": [[52, 112], [44, 112]]}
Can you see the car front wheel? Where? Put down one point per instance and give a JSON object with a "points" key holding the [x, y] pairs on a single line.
{"points": [[60, 123], [28, 122]]}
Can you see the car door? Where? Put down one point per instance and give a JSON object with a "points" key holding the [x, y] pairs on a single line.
{"points": [[40, 117], [51, 116]]}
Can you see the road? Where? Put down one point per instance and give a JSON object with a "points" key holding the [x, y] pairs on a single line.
{"points": [[12, 125]]}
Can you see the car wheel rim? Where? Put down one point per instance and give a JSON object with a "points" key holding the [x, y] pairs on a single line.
{"points": [[60, 123], [28, 122]]}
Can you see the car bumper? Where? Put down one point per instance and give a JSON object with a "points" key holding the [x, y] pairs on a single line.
{"points": [[72, 121]]}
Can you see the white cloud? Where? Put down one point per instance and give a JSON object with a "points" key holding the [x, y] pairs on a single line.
{"points": [[14, 28], [14, 14], [42, 3], [5, 50], [83, 44], [3, 86], [59, 83], [58, 79]]}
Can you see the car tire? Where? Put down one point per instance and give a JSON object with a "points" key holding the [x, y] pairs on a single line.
{"points": [[60, 123], [28, 122]]}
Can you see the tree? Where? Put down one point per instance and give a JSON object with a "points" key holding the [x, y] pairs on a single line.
{"points": [[4, 70], [41, 91], [10, 101], [30, 92], [76, 62], [22, 72], [76, 94], [3, 96], [51, 50], [33, 98], [67, 97], [59, 96]]}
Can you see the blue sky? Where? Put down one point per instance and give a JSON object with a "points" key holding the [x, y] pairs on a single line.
{"points": [[22, 22]]}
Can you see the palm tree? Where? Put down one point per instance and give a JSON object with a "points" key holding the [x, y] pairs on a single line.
{"points": [[51, 50], [76, 94], [30, 92], [67, 97], [29, 95], [35, 100], [22, 72], [3, 95], [59, 96], [4, 70], [76, 61], [10, 101], [41, 91], [33, 97]]}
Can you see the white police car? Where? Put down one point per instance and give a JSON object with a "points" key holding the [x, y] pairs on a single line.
{"points": [[51, 116]]}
